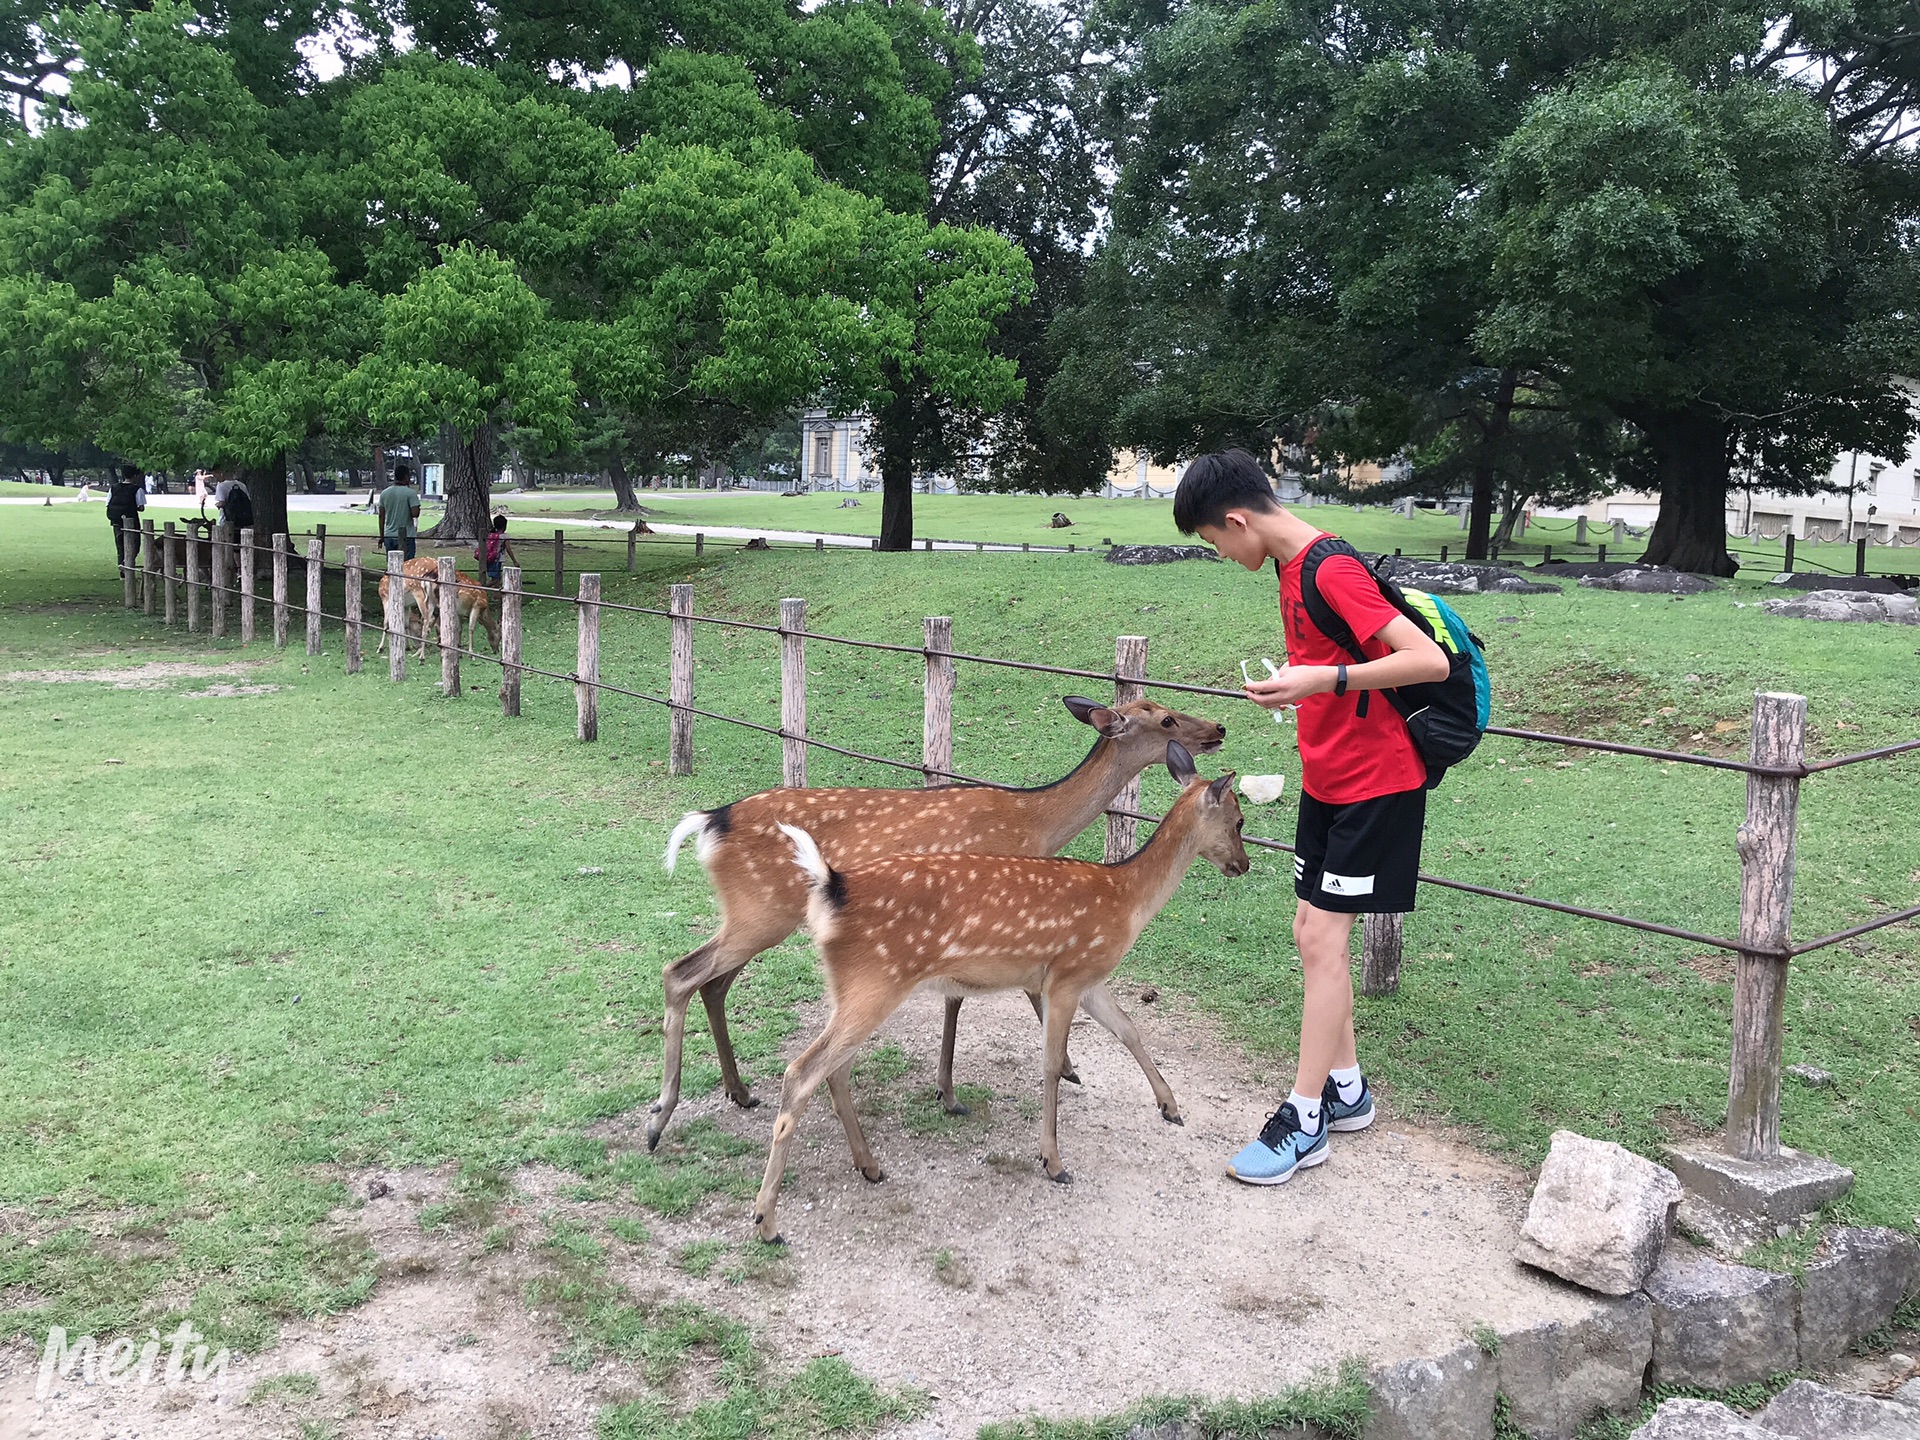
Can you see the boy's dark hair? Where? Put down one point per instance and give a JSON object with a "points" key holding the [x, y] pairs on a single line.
{"points": [[499, 522], [1215, 484], [403, 473], [129, 472]]}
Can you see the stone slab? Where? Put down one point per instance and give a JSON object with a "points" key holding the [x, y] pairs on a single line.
{"points": [[1781, 1189], [1699, 1420], [1717, 1325], [1852, 1289], [1600, 1215], [1728, 1233], [1446, 1398], [1559, 1375], [1806, 1411]]}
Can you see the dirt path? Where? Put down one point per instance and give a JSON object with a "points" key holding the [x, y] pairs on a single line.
{"points": [[966, 1273]]}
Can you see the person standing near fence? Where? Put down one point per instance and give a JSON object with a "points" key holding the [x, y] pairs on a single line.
{"points": [[126, 498], [400, 512], [1363, 787], [494, 549], [233, 500]]}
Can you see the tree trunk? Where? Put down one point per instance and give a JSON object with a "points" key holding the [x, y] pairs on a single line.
{"points": [[57, 470], [469, 471], [267, 485], [1692, 450], [1510, 516], [623, 497], [306, 474], [1486, 466], [893, 433]]}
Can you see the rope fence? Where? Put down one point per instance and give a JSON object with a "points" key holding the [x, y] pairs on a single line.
{"points": [[1766, 842]]}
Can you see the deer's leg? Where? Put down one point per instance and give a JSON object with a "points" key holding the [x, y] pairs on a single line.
{"points": [[846, 1028], [713, 995], [1100, 1004], [1057, 1017], [945, 1077], [842, 1091], [1067, 1072]]}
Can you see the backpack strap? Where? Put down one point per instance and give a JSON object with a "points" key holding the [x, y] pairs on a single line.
{"points": [[1325, 618]]}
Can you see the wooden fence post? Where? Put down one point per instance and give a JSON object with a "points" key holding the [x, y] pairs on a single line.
{"points": [[449, 605], [129, 559], [320, 534], [510, 641], [793, 693], [193, 582], [680, 683], [699, 544], [222, 579], [169, 568], [1130, 662], [1786, 567], [281, 618], [633, 538], [1380, 940], [1766, 845], [936, 729], [316, 572], [355, 596], [248, 584], [396, 615], [559, 562], [150, 568], [586, 666]]}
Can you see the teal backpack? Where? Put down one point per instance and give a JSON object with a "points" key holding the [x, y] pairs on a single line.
{"points": [[1446, 718]]}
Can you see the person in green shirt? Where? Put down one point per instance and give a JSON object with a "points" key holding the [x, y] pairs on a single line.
{"points": [[399, 510]]}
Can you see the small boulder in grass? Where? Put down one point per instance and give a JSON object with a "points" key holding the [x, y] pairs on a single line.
{"points": [[1600, 1215], [1263, 789]]}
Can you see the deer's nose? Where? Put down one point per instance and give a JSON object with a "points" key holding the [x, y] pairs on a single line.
{"points": [[1223, 731]]}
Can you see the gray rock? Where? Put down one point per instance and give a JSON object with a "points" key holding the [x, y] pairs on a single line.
{"points": [[1854, 605], [1870, 584], [1157, 554], [1559, 1375], [1806, 1411], [1852, 1289], [1448, 1398], [1812, 1075], [1651, 580], [1909, 1394], [1699, 1420], [1781, 1188], [1600, 1215], [1728, 1233], [1454, 578], [1059, 521], [1717, 1325]]}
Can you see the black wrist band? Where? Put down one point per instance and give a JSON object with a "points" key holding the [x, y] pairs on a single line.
{"points": [[1339, 679]]}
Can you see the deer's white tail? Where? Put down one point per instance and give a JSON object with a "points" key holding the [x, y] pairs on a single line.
{"points": [[694, 822], [806, 854]]}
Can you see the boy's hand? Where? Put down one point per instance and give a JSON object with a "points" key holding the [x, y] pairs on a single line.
{"points": [[1290, 686]]}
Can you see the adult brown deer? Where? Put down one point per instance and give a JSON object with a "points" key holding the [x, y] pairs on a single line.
{"points": [[421, 577], [476, 608], [763, 899], [968, 924]]}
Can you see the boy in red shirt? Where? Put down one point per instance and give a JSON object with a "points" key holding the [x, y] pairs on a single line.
{"points": [[1363, 799]]}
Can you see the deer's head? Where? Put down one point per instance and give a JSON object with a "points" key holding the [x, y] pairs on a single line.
{"points": [[1218, 821], [1140, 729]]}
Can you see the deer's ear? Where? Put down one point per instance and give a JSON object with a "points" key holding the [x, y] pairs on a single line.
{"points": [[1091, 712], [1221, 788], [1180, 763]]}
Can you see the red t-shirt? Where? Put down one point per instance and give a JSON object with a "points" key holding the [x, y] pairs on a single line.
{"points": [[1346, 756]]}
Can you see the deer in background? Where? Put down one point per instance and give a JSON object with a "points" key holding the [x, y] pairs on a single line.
{"points": [[476, 608], [763, 899], [968, 924], [421, 576]]}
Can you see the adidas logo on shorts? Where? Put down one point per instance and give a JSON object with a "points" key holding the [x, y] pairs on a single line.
{"points": [[1346, 884]]}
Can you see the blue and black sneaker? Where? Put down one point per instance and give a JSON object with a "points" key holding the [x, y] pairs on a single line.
{"points": [[1281, 1149], [1339, 1115]]}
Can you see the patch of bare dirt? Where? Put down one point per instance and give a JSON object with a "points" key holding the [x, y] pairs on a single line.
{"points": [[232, 692], [966, 1273], [153, 675]]}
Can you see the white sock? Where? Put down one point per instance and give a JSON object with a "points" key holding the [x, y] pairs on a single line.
{"points": [[1307, 1109], [1348, 1079]]}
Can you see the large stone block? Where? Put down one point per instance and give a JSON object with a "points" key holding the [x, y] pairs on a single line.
{"points": [[1559, 1375], [1717, 1325], [1447, 1398], [1806, 1411], [1789, 1185], [1699, 1420], [1600, 1215], [1852, 1289]]}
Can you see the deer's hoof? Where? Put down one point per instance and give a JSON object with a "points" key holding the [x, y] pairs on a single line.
{"points": [[872, 1174], [1070, 1075], [653, 1138], [1171, 1115], [1063, 1178], [745, 1100], [954, 1107]]}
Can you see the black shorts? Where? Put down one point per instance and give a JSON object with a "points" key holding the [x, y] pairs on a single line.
{"points": [[1362, 858]]}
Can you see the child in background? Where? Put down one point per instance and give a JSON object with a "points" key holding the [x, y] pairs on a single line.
{"points": [[493, 548]]}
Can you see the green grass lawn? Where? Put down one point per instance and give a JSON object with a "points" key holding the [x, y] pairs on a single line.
{"points": [[251, 944]]}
